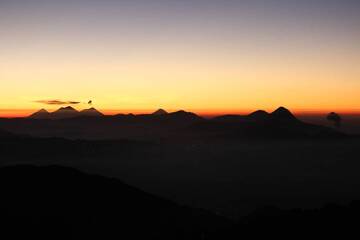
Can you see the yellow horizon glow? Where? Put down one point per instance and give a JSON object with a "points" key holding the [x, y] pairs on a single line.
{"points": [[201, 86], [233, 60], [20, 113]]}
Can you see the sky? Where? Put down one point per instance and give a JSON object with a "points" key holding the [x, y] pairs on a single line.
{"points": [[210, 57]]}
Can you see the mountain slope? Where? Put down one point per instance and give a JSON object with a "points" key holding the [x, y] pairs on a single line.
{"points": [[64, 112], [160, 112], [283, 114], [62, 203], [91, 112], [41, 114], [279, 124]]}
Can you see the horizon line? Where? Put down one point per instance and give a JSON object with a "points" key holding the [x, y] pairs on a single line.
{"points": [[23, 113]]}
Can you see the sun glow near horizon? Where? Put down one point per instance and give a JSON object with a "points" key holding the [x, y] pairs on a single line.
{"points": [[207, 57]]}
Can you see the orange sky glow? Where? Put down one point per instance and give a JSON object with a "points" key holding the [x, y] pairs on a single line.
{"points": [[208, 57]]}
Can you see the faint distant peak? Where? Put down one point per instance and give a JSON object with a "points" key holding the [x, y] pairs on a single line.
{"points": [[160, 112]]}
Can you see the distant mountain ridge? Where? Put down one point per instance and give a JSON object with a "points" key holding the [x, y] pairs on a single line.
{"points": [[92, 124], [66, 112], [280, 114]]}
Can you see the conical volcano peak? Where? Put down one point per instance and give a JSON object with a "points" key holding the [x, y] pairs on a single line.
{"points": [[41, 114], [65, 112], [283, 114], [91, 112], [160, 112], [43, 111], [68, 108], [282, 109]]}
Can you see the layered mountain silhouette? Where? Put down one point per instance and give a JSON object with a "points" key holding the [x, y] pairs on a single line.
{"points": [[92, 124], [63, 203], [281, 114], [278, 124], [65, 112]]}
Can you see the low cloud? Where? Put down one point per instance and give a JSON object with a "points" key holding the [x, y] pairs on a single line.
{"points": [[57, 102]]}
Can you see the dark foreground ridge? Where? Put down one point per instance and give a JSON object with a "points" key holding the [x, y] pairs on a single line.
{"points": [[63, 203]]}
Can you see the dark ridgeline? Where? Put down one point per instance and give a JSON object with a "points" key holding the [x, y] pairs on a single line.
{"points": [[41, 114], [92, 124], [55, 202], [160, 112], [276, 125], [62, 203], [65, 112], [91, 112]]}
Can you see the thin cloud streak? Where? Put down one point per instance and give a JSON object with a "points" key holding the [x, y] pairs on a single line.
{"points": [[57, 102]]}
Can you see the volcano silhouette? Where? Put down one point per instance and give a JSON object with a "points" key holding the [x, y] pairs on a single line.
{"points": [[41, 114], [283, 114], [65, 112], [258, 115], [91, 112], [160, 112]]}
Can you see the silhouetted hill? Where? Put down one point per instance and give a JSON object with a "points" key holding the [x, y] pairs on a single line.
{"points": [[64, 112], [259, 115], [41, 114], [279, 124], [256, 116], [62, 203], [91, 112], [283, 114], [68, 123], [182, 116], [160, 112]]}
